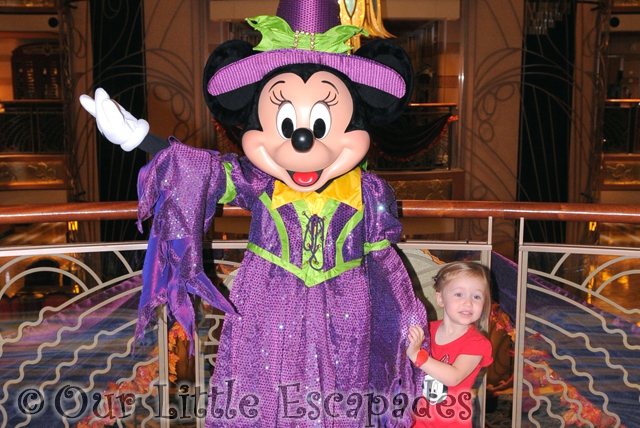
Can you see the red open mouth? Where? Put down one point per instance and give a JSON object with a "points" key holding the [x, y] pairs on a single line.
{"points": [[305, 179]]}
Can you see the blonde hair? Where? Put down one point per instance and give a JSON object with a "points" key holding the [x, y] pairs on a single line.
{"points": [[468, 269]]}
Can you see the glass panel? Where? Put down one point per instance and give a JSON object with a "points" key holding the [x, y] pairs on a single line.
{"points": [[581, 339]]}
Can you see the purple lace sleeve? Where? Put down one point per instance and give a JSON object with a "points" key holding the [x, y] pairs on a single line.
{"points": [[179, 188], [381, 210], [397, 307]]}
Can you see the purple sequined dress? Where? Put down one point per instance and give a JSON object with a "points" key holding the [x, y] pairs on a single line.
{"points": [[323, 301]]}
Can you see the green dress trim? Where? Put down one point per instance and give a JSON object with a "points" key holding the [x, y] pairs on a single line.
{"points": [[375, 246], [346, 230], [306, 273], [230, 190], [282, 230]]}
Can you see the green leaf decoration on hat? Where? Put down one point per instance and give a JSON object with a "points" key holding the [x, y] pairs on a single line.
{"points": [[277, 34]]}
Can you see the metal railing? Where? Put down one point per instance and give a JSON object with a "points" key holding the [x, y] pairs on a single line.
{"points": [[573, 331]]}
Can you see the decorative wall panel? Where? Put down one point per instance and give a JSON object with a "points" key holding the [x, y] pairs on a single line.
{"points": [[21, 172]]}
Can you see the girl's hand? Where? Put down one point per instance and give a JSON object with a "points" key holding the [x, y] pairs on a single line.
{"points": [[416, 337]]}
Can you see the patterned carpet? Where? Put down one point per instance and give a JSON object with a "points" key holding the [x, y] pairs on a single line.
{"points": [[500, 415]]}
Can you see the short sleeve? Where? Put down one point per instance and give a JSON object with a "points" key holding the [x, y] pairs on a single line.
{"points": [[479, 345]]}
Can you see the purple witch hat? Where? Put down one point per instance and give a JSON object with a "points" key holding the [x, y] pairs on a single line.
{"points": [[313, 16], [305, 32]]}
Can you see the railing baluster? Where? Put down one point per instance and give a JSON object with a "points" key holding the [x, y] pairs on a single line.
{"points": [[200, 383], [521, 309], [163, 367], [485, 259]]}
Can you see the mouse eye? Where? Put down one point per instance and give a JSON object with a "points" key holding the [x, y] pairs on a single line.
{"points": [[286, 120], [320, 120]]}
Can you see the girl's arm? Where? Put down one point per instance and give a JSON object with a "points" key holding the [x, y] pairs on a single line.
{"points": [[448, 374]]}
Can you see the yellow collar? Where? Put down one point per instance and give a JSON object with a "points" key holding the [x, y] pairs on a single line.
{"points": [[345, 189]]}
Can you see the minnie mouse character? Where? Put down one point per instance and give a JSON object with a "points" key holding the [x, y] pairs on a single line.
{"points": [[322, 301]]}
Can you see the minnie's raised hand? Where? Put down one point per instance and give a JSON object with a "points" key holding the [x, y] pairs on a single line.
{"points": [[114, 122]]}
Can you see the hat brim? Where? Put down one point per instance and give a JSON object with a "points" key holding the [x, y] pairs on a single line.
{"points": [[252, 69]]}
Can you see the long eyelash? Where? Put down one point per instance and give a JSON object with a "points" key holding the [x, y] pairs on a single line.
{"points": [[277, 101], [330, 102]]}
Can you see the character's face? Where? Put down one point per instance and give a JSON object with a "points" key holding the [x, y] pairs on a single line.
{"points": [[303, 140], [434, 391]]}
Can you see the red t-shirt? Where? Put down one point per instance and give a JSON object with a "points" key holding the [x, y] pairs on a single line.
{"points": [[443, 406]]}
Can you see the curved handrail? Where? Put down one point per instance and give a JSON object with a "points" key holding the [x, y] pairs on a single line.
{"points": [[88, 211], [525, 210]]}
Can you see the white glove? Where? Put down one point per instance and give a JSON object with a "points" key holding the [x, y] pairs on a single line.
{"points": [[114, 122]]}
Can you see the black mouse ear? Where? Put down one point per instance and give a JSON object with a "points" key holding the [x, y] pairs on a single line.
{"points": [[233, 107], [383, 107]]}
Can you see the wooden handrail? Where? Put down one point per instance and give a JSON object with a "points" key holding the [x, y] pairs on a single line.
{"points": [[89, 211], [525, 210]]}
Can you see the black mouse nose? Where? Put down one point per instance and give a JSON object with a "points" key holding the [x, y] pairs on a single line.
{"points": [[302, 140]]}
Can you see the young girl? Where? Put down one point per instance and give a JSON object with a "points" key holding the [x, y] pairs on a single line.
{"points": [[458, 350]]}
